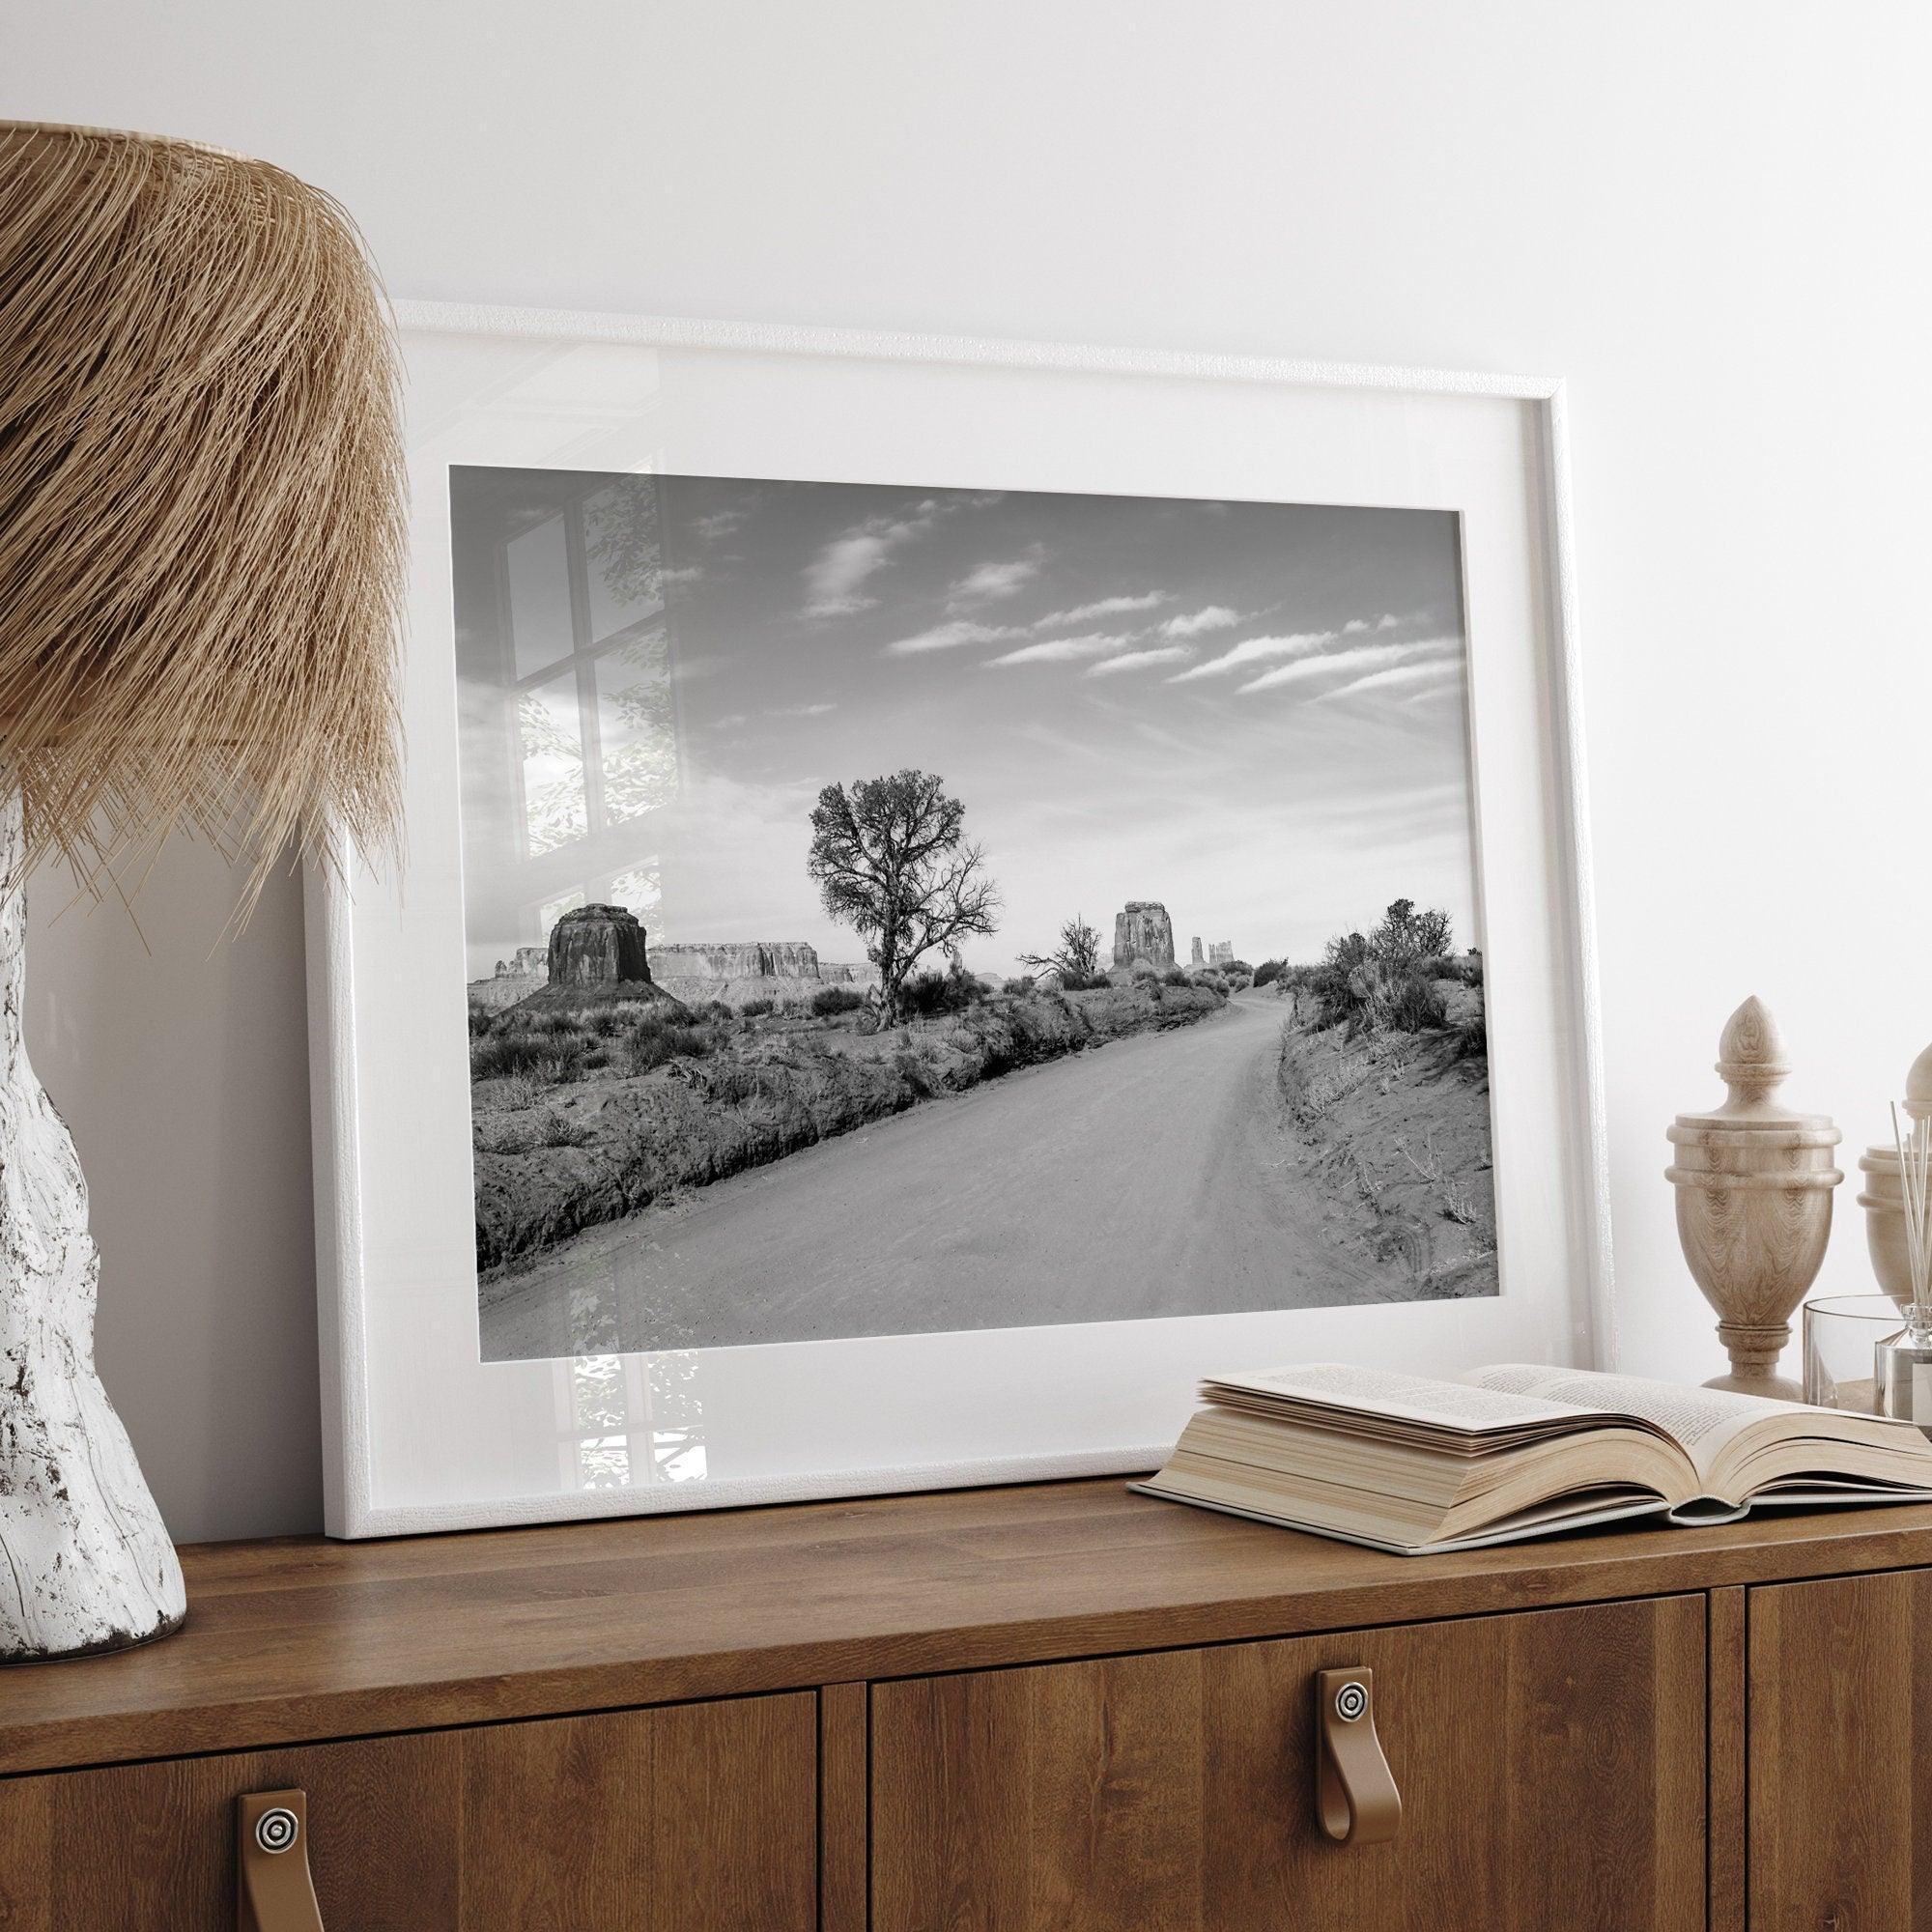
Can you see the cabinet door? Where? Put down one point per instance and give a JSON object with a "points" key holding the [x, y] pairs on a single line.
{"points": [[691, 1818], [1550, 1766], [1839, 1726]]}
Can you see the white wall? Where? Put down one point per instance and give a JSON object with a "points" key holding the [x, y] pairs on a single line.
{"points": [[1710, 218]]}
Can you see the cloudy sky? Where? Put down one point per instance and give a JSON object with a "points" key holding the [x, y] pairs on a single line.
{"points": [[1253, 712]]}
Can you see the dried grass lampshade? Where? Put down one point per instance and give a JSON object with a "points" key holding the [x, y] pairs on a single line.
{"points": [[201, 553], [201, 503]]}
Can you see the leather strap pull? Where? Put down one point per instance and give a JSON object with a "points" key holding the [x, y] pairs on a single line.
{"points": [[274, 1891], [1355, 1799]]}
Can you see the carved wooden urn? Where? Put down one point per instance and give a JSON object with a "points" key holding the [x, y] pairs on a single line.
{"points": [[1753, 1183]]}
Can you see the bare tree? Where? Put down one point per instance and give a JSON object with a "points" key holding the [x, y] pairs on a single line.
{"points": [[892, 860], [1079, 954]]}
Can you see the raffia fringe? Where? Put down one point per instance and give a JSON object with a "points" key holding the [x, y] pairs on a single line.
{"points": [[202, 532]]}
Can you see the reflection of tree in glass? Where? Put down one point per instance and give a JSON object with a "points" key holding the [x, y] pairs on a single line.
{"points": [[620, 528], [603, 1441], [553, 806], [640, 747], [640, 891]]}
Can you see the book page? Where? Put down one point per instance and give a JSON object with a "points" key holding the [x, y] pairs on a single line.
{"points": [[1460, 1405], [1703, 1421]]}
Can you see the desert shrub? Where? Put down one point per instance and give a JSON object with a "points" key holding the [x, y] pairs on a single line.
{"points": [[1232, 967], [480, 1018], [1268, 971], [608, 1022], [1469, 1037], [655, 1042], [1401, 1000], [1176, 976], [1466, 969], [555, 1129], [927, 995], [717, 1010], [831, 1000], [1083, 983], [552, 1024], [532, 1052], [754, 1009], [1023, 984]]}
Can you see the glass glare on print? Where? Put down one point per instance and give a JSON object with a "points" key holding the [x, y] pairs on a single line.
{"points": [[895, 910]]}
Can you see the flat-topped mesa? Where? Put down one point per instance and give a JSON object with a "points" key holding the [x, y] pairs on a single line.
{"points": [[1143, 936], [732, 959], [598, 946]]}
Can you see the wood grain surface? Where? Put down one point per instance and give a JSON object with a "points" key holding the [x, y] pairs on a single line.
{"points": [[1550, 1765], [696, 1818], [844, 1798], [1727, 1781], [301, 1641], [1840, 1712]]}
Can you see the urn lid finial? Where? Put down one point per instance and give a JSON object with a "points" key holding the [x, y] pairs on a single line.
{"points": [[1919, 1087], [1751, 1059], [1752, 1064]]}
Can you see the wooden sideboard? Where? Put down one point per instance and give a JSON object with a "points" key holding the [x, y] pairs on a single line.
{"points": [[1009, 1710]]}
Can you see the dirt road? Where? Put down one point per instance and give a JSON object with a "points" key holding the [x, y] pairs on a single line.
{"points": [[1156, 1175]]}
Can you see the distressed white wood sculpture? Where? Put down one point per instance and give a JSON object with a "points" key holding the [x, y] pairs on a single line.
{"points": [[85, 1561], [1753, 1183]]}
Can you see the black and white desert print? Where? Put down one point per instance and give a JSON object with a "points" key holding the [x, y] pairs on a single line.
{"points": [[898, 910]]}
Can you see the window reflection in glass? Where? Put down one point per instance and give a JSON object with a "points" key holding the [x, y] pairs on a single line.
{"points": [[551, 743], [553, 910], [602, 1413], [642, 892], [624, 562], [637, 744], [538, 566]]}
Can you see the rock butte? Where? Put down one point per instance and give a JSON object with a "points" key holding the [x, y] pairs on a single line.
{"points": [[1143, 936]]}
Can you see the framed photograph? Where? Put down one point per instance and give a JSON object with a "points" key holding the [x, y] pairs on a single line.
{"points": [[953, 887]]}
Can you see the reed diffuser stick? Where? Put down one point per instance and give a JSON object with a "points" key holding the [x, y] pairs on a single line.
{"points": [[1912, 1134]]}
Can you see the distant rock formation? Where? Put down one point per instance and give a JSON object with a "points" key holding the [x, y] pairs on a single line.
{"points": [[759, 958], [1198, 960], [524, 973], [1143, 936], [1221, 952], [597, 945], [596, 958], [737, 970]]}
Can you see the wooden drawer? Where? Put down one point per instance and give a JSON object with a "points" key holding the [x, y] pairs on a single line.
{"points": [[1551, 1766], [686, 1818], [1840, 1722]]}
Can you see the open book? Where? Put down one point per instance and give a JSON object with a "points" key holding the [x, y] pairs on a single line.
{"points": [[1414, 1465]]}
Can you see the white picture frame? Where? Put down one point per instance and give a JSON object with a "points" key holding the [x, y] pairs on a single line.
{"points": [[422, 1435]]}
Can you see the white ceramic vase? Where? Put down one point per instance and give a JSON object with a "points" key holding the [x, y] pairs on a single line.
{"points": [[85, 1561]]}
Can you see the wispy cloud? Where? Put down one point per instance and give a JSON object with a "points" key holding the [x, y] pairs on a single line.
{"points": [[1160, 654], [993, 580], [1420, 680], [724, 522], [1191, 624], [1356, 662], [1065, 650], [1257, 650], [1103, 607], [949, 636], [836, 578]]}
